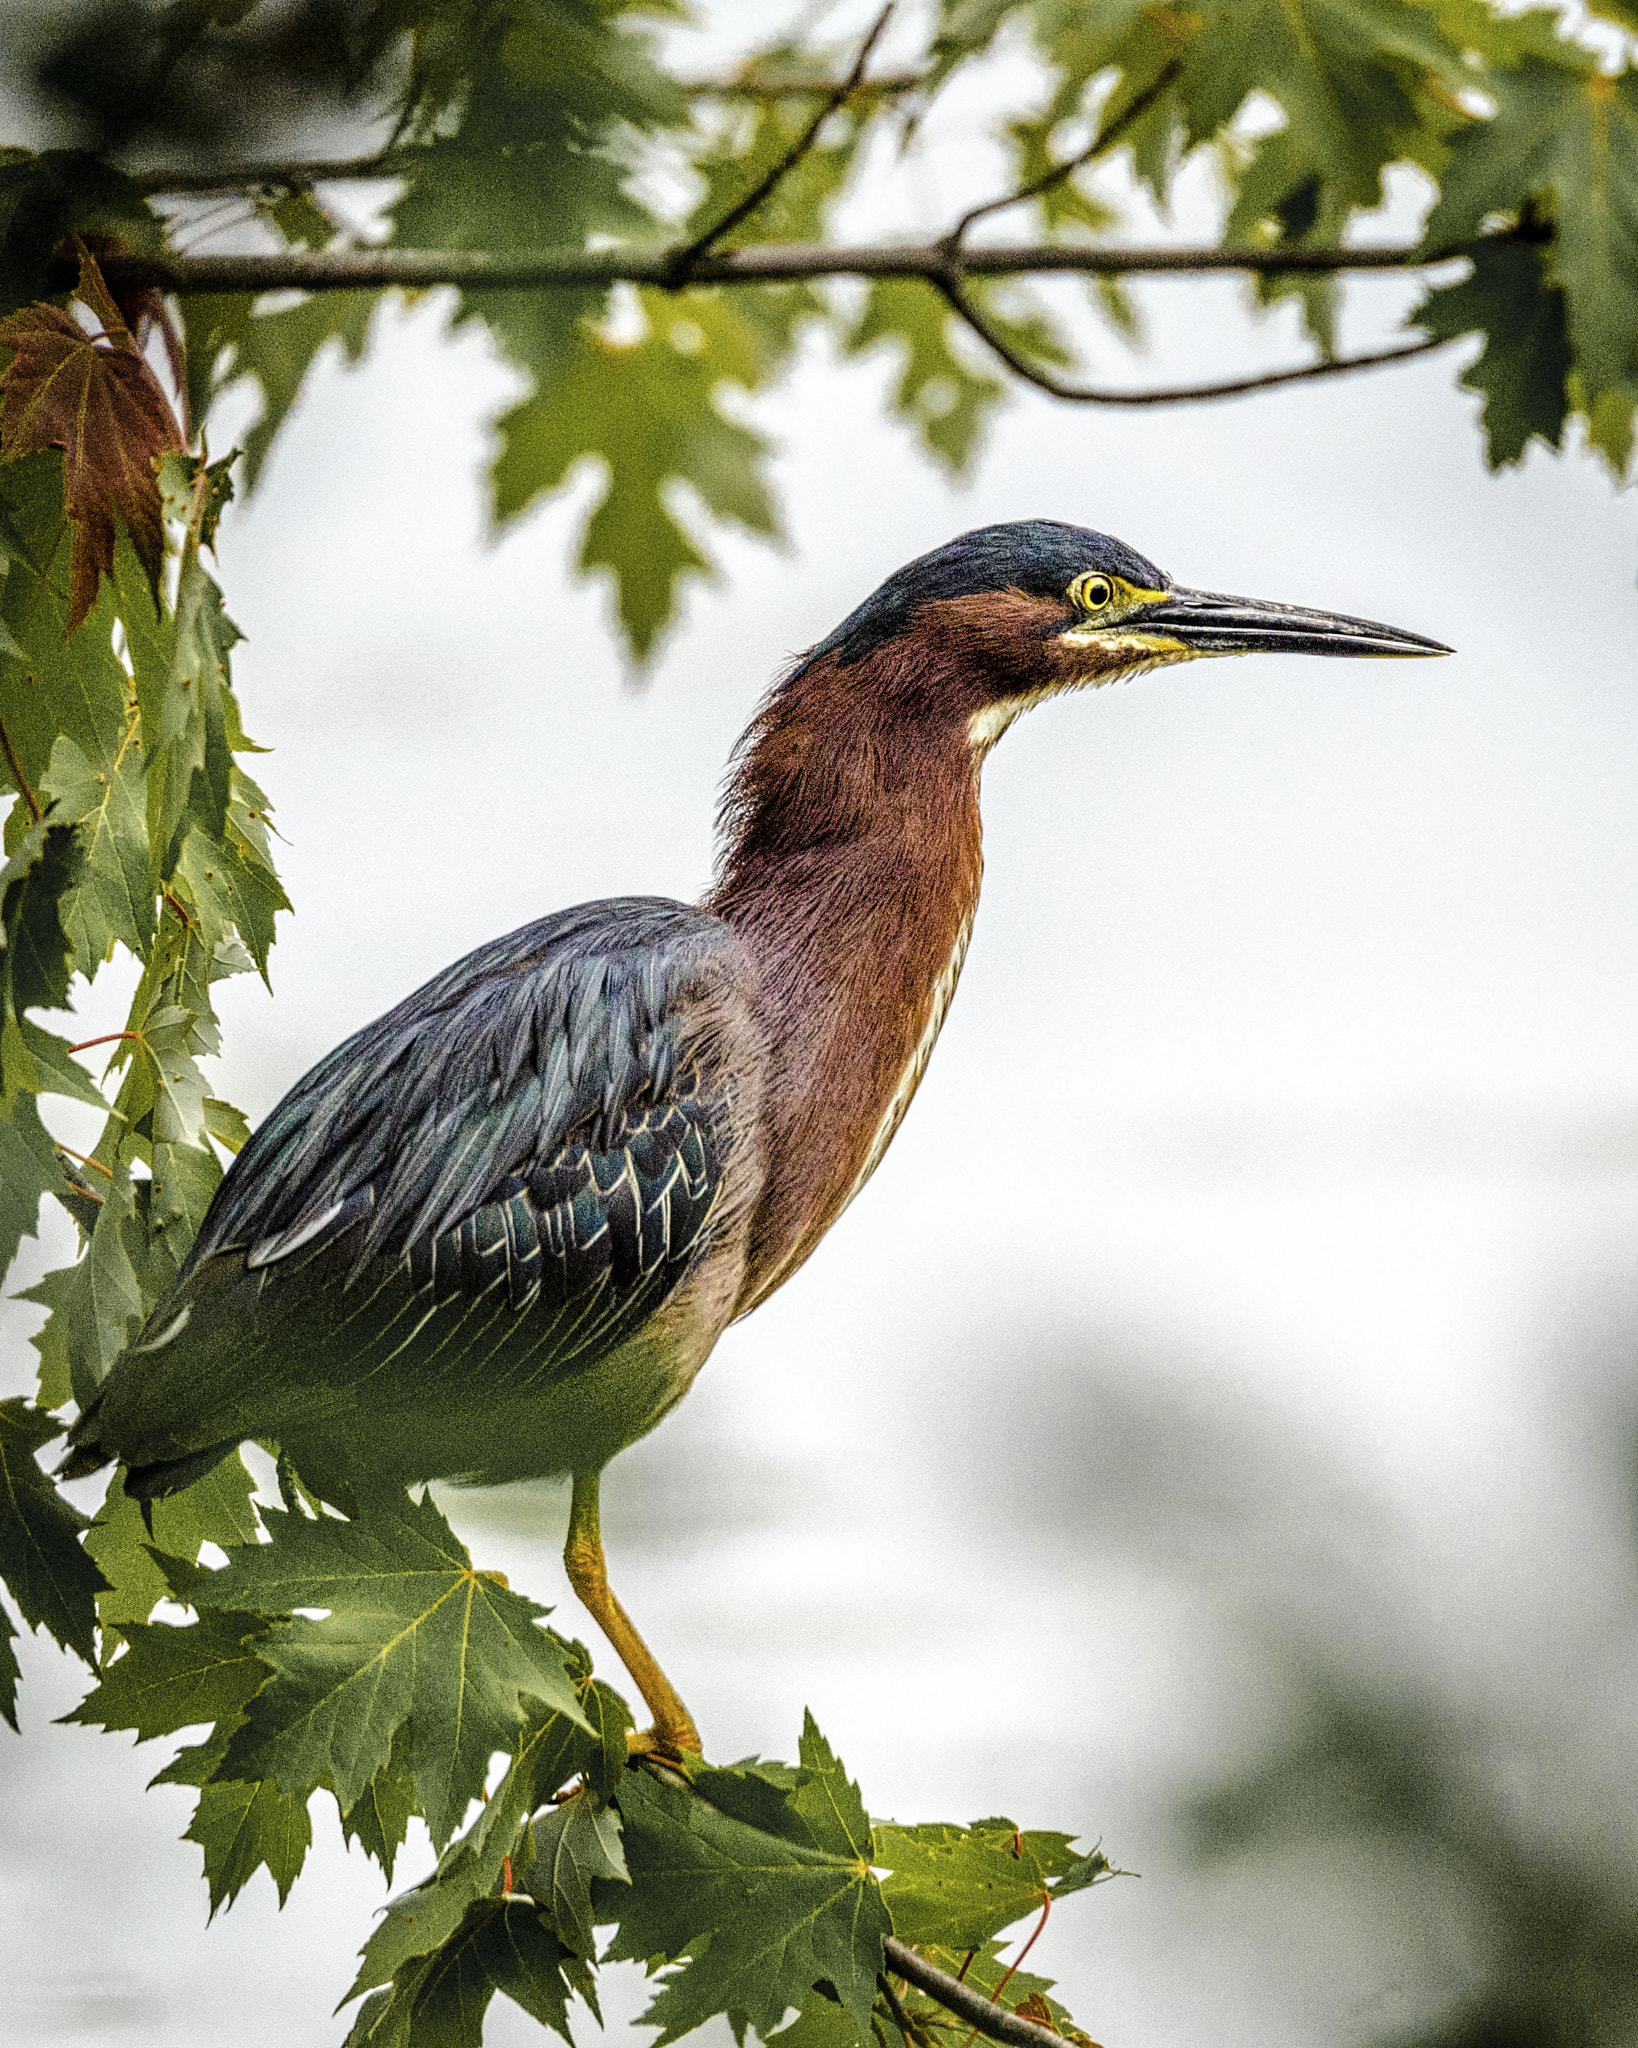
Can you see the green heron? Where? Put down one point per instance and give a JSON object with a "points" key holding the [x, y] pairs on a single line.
{"points": [[497, 1232]]}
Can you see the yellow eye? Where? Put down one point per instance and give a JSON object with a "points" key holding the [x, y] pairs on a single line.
{"points": [[1092, 593]]}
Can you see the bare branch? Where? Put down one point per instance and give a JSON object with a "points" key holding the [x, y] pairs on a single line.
{"points": [[967, 2004], [683, 261], [320, 270], [1106, 138], [961, 303]]}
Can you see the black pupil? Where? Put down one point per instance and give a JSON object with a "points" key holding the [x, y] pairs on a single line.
{"points": [[1097, 592]]}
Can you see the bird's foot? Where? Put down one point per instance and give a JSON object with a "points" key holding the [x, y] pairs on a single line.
{"points": [[674, 1742]]}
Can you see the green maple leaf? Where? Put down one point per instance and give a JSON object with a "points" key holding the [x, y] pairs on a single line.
{"points": [[549, 1751], [1565, 135], [171, 1676], [935, 391], [380, 1818], [763, 1912], [47, 1572], [412, 1634], [182, 684], [648, 410], [959, 1887], [37, 957], [28, 1170], [571, 1847], [52, 688], [441, 1999], [229, 341], [9, 1671], [114, 903], [214, 1509], [241, 1827], [1523, 369], [95, 1305]]}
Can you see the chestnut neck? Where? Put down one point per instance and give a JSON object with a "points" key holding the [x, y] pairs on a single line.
{"points": [[851, 867]]}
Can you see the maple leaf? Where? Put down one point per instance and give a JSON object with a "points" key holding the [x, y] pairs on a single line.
{"points": [[240, 1827], [1523, 369], [95, 1304], [440, 2001], [959, 1887], [169, 1676], [573, 1846], [28, 1169], [1564, 134], [764, 1907], [123, 1538], [412, 1634], [93, 397], [648, 410], [52, 1580]]}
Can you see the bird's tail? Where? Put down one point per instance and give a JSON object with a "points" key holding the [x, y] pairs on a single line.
{"points": [[152, 1481]]}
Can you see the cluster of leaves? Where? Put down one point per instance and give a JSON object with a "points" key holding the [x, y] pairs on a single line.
{"points": [[1514, 123], [132, 827], [365, 1657], [517, 124]]}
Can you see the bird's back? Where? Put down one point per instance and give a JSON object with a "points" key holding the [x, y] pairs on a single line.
{"points": [[492, 1234]]}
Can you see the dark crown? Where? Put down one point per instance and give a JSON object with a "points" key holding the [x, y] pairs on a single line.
{"points": [[1040, 556]]}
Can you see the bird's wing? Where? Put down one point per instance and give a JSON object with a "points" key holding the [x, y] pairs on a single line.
{"points": [[537, 1139]]}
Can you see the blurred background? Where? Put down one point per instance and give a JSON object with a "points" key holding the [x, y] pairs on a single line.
{"points": [[1259, 1492]]}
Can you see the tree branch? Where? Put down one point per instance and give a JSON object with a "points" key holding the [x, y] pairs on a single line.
{"points": [[685, 259], [961, 303], [967, 2004], [320, 270]]}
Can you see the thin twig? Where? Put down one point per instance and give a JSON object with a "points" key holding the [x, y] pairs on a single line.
{"points": [[296, 174], [376, 269], [683, 260], [107, 1172], [961, 303], [17, 774], [969, 2005], [1106, 138], [107, 1038]]}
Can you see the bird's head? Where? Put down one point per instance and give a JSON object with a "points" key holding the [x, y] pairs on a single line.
{"points": [[897, 707], [1004, 617]]}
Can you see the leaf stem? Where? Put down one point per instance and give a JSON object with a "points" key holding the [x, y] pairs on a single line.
{"points": [[1046, 1908], [107, 1038], [107, 1172], [17, 774]]}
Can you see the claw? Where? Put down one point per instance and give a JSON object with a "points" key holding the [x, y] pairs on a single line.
{"points": [[674, 1745]]}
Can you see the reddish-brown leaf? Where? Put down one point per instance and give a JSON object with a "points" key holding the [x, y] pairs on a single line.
{"points": [[93, 397]]}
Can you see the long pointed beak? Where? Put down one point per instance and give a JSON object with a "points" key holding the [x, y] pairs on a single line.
{"points": [[1209, 623]]}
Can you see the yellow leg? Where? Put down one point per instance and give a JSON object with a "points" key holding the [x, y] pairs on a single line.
{"points": [[673, 1733]]}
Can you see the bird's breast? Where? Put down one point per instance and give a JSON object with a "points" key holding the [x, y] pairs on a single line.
{"points": [[938, 1008]]}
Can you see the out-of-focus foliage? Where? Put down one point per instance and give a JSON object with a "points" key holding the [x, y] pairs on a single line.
{"points": [[522, 124]]}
